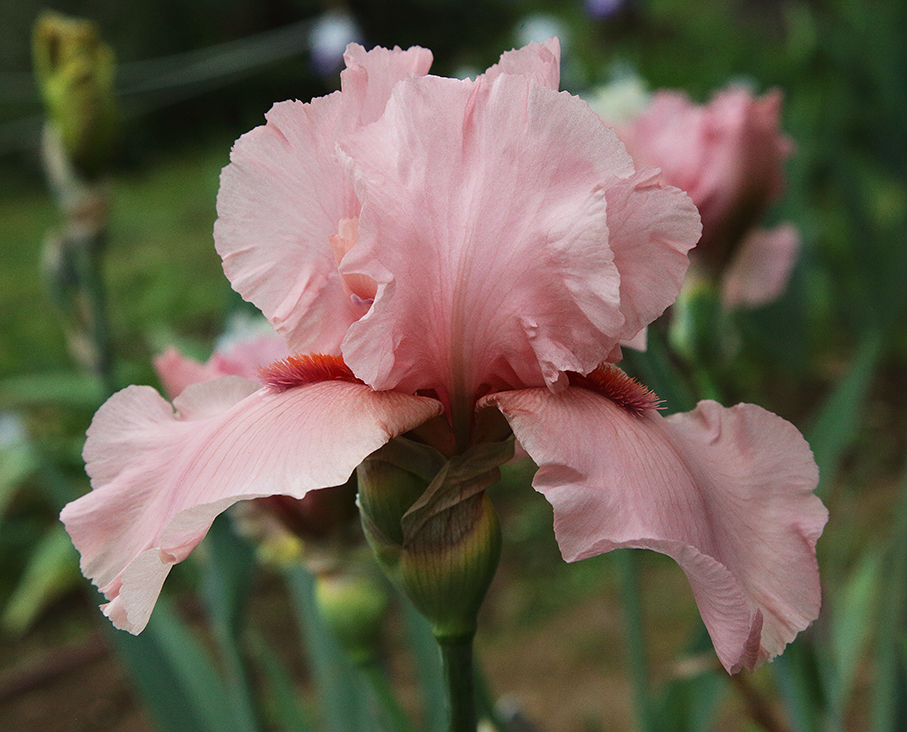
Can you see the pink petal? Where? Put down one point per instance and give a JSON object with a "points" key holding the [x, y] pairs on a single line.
{"points": [[638, 342], [370, 77], [273, 232], [540, 61], [485, 226], [669, 135], [652, 227], [177, 371], [161, 478], [726, 492], [284, 195], [761, 267], [245, 355], [243, 358]]}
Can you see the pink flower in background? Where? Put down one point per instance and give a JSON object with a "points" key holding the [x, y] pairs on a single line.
{"points": [[244, 356], [436, 248], [729, 157]]}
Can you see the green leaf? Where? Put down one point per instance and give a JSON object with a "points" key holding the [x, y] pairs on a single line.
{"points": [[838, 422], [852, 616], [799, 683], [690, 703], [52, 570], [890, 675], [227, 575], [343, 698], [17, 462], [175, 675], [282, 698]]}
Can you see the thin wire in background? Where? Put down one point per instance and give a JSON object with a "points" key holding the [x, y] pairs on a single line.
{"points": [[146, 86]]}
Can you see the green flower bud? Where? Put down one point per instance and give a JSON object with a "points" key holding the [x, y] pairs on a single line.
{"points": [[353, 603], [75, 72], [700, 329], [433, 528], [448, 567]]}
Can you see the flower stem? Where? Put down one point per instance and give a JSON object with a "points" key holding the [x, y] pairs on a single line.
{"points": [[456, 658], [635, 638]]}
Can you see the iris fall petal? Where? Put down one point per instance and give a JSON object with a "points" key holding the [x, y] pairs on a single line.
{"points": [[726, 492], [761, 267], [160, 478]]}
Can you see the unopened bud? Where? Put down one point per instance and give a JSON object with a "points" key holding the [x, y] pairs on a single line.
{"points": [[353, 603], [75, 71], [433, 528], [699, 326]]}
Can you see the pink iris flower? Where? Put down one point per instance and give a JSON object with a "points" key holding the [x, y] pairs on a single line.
{"points": [[443, 250], [728, 155]]}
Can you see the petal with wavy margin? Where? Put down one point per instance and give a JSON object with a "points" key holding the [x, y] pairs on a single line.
{"points": [[484, 224], [160, 478], [726, 492], [284, 194], [540, 61], [651, 228]]}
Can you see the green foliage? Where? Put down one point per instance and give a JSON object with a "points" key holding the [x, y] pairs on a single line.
{"points": [[52, 570]]}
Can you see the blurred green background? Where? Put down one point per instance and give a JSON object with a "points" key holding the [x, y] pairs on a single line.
{"points": [[831, 355]]}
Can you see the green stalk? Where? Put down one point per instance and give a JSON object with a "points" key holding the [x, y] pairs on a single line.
{"points": [[456, 659], [635, 638], [96, 313]]}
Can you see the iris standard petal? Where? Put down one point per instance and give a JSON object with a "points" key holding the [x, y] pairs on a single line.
{"points": [[284, 195], [160, 478], [541, 61], [651, 228], [484, 224], [370, 76], [726, 492]]}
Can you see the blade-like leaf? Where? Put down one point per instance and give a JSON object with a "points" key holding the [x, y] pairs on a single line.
{"points": [[282, 699], [227, 575], [175, 676], [890, 677], [68, 389], [838, 422], [852, 616], [342, 695], [52, 571]]}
